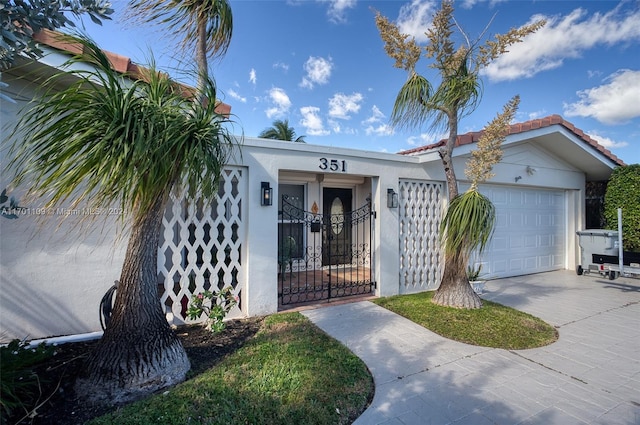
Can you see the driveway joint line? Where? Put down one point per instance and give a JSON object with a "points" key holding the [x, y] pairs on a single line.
{"points": [[548, 367], [629, 304]]}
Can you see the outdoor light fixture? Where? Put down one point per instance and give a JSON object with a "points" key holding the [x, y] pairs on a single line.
{"points": [[392, 199], [267, 194]]}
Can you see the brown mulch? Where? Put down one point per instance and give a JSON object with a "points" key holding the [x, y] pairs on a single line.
{"points": [[60, 404]]}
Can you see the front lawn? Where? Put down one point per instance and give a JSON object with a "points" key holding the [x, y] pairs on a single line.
{"points": [[493, 325], [289, 373]]}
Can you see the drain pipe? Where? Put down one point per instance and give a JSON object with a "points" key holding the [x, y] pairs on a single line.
{"points": [[620, 247], [58, 340]]}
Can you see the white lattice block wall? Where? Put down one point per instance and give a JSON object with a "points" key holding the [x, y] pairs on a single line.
{"points": [[420, 255], [201, 246]]}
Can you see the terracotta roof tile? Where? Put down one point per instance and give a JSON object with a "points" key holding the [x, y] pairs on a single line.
{"points": [[119, 63], [474, 136]]}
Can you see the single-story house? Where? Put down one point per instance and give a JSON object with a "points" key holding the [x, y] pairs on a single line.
{"points": [[297, 223]]}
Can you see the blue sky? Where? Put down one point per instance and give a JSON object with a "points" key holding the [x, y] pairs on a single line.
{"points": [[321, 65]]}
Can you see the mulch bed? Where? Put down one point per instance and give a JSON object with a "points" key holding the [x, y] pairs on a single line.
{"points": [[59, 373]]}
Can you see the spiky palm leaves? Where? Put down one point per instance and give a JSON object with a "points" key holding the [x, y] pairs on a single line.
{"points": [[106, 139], [280, 130], [468, 224], [457, 94]]}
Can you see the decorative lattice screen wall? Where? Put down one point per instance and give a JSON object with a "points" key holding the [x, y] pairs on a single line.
{"points": [[420, 215], [201, 246]]}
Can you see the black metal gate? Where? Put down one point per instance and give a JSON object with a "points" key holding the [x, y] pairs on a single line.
{"points": [[323, 256]]}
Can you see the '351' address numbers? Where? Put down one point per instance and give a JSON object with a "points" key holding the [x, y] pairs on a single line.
{"points": [[333, 165]]}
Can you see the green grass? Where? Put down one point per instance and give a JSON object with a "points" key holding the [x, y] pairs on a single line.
{"points": [[289, 373], [493, 325]]}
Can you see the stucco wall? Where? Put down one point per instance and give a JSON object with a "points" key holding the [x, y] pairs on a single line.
{"points": [[51, 281], [370, 173]]}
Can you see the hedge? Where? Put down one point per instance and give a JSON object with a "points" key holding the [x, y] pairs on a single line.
{"points": [[623, 191]]}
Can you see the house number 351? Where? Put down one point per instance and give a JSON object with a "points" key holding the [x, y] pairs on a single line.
{"points": [[333, 165]]}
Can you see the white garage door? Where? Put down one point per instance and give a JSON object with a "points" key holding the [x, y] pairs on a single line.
{"points": [[530, 231]]}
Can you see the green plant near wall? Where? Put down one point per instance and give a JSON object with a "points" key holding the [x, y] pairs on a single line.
{"points": [[286, 252], [19, 383], [623, 191]]}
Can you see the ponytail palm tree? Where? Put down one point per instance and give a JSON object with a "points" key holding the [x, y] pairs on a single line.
{"points": [[457, 95], [280, 130], [106, 140]]}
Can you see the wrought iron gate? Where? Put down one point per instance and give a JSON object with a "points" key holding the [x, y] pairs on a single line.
{"points": [[323, 256]]}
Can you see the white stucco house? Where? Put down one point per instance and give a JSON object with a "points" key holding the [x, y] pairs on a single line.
{"points": [[298, 223]]}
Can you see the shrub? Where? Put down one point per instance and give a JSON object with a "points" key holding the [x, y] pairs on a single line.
{"points": [[19, 384], [215, 305], [623, 191]]}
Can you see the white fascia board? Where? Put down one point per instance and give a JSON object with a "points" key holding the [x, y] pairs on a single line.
{"points": [[279, 145]]}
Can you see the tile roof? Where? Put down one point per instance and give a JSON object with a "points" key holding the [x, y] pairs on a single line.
{"points": [[119, 63], [474, 136]]}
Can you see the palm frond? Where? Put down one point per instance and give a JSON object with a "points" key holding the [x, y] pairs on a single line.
{"points": [[412, 107], [468, 223], [106, 140], [184, 19]]}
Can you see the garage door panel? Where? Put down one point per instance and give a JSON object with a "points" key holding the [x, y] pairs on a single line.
{"points": [[544, 241], [516, 220], [529, 235], [546, 261], [530, 241], [499, 243], [516, 264], [499, 267], [501, 220], [498, 197], [516, 241], [530, 264]]}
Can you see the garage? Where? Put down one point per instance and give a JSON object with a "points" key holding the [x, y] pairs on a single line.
{"points": [[530, 231]]}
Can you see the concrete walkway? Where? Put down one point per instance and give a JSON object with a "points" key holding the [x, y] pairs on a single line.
{"points": [[591, 375]]}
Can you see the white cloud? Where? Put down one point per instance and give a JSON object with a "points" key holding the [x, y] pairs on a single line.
{"points": [[536, 114], [607, 142], [338, 9], [236, 96], [281, 65], [425, 139], [468, 4], [252, 76], [614, 102], [376, 116], [374, 124], [341, 105], [565, 37], [318, 71], [380, 130], [336, 127], [312, 122], [415, 18], [280, 101]]}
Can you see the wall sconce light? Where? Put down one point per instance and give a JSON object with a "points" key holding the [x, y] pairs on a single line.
{"points": [[266, 194], [392, 199]]}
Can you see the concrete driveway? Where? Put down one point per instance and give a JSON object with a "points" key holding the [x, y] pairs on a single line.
{"points": [[591, 375]]}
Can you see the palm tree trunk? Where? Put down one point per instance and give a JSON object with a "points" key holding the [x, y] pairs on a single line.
{"points": [[446, 157], [139, 353], [454, 289], [201, 58]]}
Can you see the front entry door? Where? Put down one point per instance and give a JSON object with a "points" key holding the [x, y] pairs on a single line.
{"points": [[336, 241]]}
